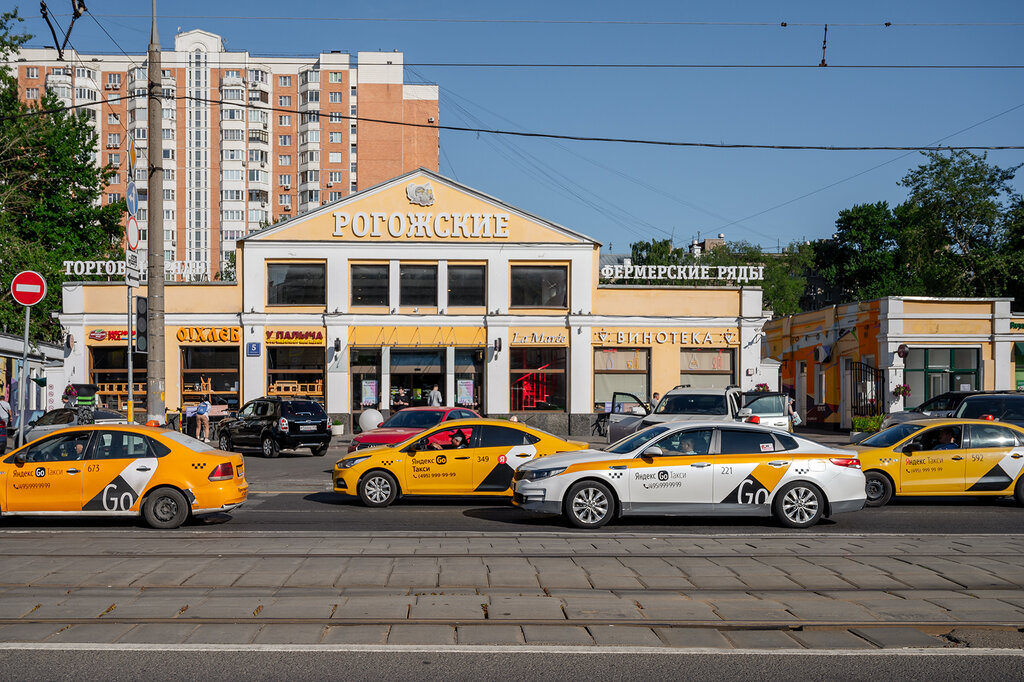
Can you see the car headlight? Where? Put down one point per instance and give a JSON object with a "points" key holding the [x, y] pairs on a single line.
{"points": [[351, 462], [537, 474]]}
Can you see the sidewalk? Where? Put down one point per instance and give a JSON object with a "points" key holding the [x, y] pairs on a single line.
{"points": [[791, 591]]}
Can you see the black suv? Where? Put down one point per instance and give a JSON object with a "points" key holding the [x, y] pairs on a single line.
{"points": [[275, 424], [1006, 407]]}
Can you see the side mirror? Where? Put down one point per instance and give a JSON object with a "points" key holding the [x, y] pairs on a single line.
{"points": [[912, 447], [653, 451], [638, 411], [744, 412], [20, 458], [233, 413], [33, 422]]}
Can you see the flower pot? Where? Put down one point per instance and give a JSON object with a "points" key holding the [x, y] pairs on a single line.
{"points": [[337, 429]]}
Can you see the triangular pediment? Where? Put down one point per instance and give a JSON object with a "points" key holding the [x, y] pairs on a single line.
{"points": [[420, 206]]}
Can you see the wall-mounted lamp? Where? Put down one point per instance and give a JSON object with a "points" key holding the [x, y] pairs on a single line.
{"points": [[497, 345], [337, 345]]}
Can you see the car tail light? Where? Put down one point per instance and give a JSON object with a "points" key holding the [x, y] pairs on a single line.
{"points": [[754, 419], [852, 462], [282, 424], [222, 472], [987, 417]]}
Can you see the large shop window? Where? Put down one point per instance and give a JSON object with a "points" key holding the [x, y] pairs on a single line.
{"points": [[110, 374], [416, 372], [364, 366], [467, 285], [932, 371], [370, 285], [469, 377], [626, 370], [418, 285], [536, 286], [537, 379], [296, 283], [1018, 365], [296, 371], [707, 367], [210, 371]]}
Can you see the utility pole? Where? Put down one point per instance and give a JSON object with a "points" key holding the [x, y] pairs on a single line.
{"points": [[155, 367]]}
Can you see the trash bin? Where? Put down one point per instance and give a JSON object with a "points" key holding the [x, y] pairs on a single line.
{"points": [[190, 426]]}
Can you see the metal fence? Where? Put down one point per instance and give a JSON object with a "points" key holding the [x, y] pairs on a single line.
{"points": [[868, 386]]}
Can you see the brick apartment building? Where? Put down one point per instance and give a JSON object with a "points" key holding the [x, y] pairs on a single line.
{"points": [[246, 140]]}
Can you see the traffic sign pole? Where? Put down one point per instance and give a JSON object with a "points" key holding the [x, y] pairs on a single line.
{"points": [[22, 383], [131, 370], [27, 288]]}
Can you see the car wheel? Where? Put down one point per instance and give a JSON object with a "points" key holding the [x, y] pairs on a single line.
{"points": [[224, 441], [378, 489], [798, 505], [320, 450], [165, 508], [1018, 492], [878, 488], [270, 447], [589, 504]]}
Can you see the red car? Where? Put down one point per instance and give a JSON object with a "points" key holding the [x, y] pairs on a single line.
{"points": [[407, 423]]}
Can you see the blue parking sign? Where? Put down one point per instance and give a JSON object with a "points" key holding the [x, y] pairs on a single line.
{"points": [[252, 349]]}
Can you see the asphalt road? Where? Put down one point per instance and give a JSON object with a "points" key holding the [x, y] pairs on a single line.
{"points": [[293, 492], [429, 663]]}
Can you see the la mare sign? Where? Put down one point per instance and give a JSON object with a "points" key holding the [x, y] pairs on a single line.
{"points": [[732, 273]]}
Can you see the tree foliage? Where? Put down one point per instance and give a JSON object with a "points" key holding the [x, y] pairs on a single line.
{"points": [[51, 191]]}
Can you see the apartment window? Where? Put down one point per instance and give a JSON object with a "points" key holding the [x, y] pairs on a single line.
{"points": [[335, 117], [335, 138], [228, 175], [232, 215], [296, 283], [334, 157], [31, 93], [467, 285], [352, 129], [114, 80], [82, 72], [169, 114], [336, 176], [113, 198], [258, 155], [284, 180], [310, 117], [115, 179], [311, 196], [284, 120], [232, 73], [353, 187], [257, 175], [284, 100], [352, 91], [140, 133], [232, 134], [418, 285], [32, 72], [352, 168], [539, 286], [352, 149], [284, 140], [168, 173], [352, 110], [336, 97], [311, 97], [284, 81], [309, 157], [114, 140], [284, 200], [311, 136], [113, 119], [232, 195], [257, 215], [370, 285], [309, 77], [537, 380], [310, 176], [168, 214], [334, 196], [167, 133], [167, 154], [232, 114], [114, 160], [232, 154], [233, 94], [168, 195], [284, 160], [257, 76], [336, 77]]}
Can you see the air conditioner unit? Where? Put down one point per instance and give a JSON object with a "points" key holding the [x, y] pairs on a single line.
{"points": [[263, 203], [330, 184]]}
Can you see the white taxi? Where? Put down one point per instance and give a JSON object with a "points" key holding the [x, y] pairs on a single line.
{"points": [[695, 469]]}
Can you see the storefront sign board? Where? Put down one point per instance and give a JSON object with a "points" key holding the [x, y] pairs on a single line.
{"points": [[696, 273], [538, 337], [680, 337], [208, 335], [295, 337], [464, 391], [369, 396]]}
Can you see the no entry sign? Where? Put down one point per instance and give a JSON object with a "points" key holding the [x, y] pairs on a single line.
{"points": [[28, 288]]}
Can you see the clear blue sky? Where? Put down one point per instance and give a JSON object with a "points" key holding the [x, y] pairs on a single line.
{"points": [[620, 193]]}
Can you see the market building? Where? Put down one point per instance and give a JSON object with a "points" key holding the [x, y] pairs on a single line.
{"points": [[370, 301], [882, 356]]}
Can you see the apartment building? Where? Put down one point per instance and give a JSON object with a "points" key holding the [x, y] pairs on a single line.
{"points": [[246, 141]]}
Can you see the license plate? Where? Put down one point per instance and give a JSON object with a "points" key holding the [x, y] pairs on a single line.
{"points": [[307, 427]]}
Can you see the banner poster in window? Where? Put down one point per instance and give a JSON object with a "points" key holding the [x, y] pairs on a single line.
{"points": [[369, 392], [464, 391]]}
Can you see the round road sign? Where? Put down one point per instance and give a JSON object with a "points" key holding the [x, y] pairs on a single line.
{"points": [[131, 233], [131, 197], [28, 287]]}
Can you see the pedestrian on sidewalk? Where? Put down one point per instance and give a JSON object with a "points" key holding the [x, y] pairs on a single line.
{"points": [[203, 419], [434, 399], [794, 416]]}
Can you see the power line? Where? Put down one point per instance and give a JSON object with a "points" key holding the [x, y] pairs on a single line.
{"points": [[557, 136]]}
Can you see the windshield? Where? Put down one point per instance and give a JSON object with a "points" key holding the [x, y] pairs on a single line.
{"points": [[302, 408], [188, 441], [765, 405], [413, 419], [636, 440], [891, 436], [975, 409], [62, 416], [692, 403]]}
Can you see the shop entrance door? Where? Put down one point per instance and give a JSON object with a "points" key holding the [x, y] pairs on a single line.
{"points": [[417, 371]]}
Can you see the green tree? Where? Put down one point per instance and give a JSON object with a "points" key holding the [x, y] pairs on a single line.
{"points": [[51, 191]]}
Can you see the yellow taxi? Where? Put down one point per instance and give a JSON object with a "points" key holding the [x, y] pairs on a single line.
{"points": [[459, 457], [943, 457], [121, 470]]}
